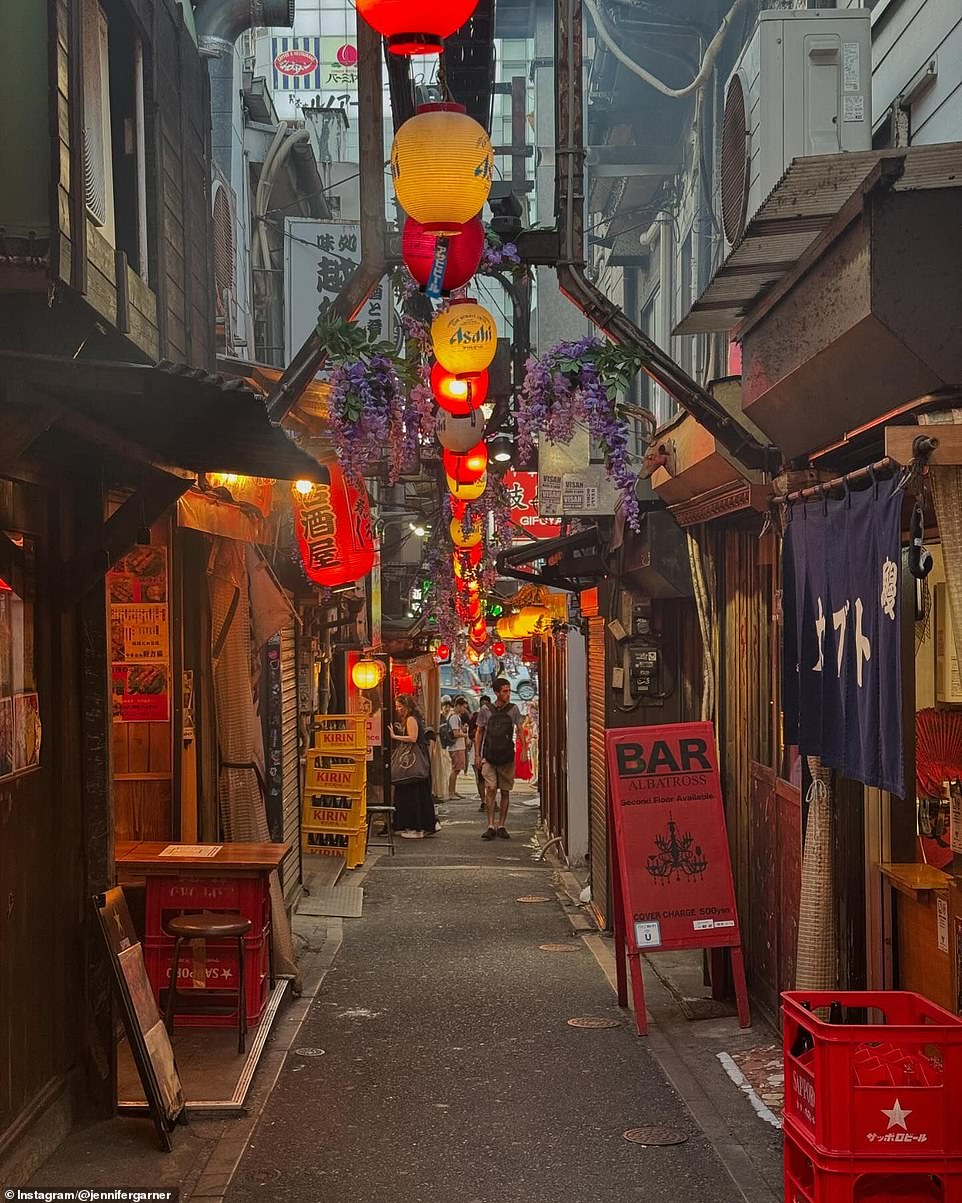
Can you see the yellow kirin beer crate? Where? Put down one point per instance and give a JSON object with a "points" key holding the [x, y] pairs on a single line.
{"points": [[333, 812], [350, 844], [324, 776], [339, 734]]}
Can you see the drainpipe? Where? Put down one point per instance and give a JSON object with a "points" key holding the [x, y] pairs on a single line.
{"points": [[219, 24], [610, 318]]}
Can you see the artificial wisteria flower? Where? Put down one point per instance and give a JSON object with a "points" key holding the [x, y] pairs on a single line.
{"points": [[578, 382], [368, 416]]}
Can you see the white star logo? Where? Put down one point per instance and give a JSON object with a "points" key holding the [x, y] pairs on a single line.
{"points": [[897, 1117]]}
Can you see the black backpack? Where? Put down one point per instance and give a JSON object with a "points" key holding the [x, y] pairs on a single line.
{"points": [[445, 734], [499, 736]]}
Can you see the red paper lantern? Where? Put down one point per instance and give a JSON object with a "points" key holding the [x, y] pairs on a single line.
{"points": [[472, 556], [335, 535], [458, 397], [415, 26], [419, 245], [498, 648], [468, 466], [442, 653], [479, 632]]}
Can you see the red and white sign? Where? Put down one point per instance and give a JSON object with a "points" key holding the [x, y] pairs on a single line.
{"points": [[522, 489], [295, 62], [670, 848]]}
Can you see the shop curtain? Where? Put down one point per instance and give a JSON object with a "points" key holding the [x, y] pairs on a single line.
{"points": [[240, 784], [816, 963], [947, 495]]}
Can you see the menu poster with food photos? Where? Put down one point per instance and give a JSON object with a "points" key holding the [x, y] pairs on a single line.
{"points": [[20, 728], [140, 636]]}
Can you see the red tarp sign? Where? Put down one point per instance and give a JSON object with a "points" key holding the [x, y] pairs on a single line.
{"points": [[673, 877]]}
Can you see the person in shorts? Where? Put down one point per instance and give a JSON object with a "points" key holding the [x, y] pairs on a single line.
{"points": [[458, 725], [495, 747]]}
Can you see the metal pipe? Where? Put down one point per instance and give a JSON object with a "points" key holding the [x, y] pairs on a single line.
{"points": [[221, 22], [559, 840], [609, 317]]}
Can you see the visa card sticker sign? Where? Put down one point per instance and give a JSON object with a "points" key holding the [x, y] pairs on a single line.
{"points": [[670, 838]]}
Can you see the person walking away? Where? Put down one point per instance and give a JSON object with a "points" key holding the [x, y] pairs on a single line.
{"points": [[484, 705], [495, 745], [533, 731], [458, 746], [413, 804]]}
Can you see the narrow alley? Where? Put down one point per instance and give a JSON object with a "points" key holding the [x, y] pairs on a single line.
{"points": [[449, 1068]]}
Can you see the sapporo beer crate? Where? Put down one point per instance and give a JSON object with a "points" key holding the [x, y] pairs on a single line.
{"points": [[333, 812], [325, 774], [169, 896], [885, 1082], [352, 845], [208, 975], [813, 1177], [339, 734]]}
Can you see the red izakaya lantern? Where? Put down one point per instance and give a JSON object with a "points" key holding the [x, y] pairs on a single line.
{"points": [[415, 26], [498, 648], [458, 397], [335, 535], [467, 466], [442, 653], [419, 246], [479, 632], [470, 557]]}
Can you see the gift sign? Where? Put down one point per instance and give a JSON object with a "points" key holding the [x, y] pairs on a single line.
{"points": [[673, 874]]}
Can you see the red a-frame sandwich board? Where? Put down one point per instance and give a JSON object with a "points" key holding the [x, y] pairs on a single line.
{"points": [[671, 870]]}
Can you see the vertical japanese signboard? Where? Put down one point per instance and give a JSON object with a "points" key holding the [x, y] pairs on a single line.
{"points": [[320, 257], [672, 870], [139, 636], [842, 679]]}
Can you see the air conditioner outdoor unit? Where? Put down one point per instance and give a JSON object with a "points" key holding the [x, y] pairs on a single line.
{"points": [[802, 86]]}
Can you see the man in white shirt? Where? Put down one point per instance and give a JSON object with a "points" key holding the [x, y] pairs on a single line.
{"points": [[457, 721]]}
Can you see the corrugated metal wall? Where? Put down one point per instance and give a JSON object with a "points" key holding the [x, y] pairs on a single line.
{"points": [[291, 788], [552, 673]]}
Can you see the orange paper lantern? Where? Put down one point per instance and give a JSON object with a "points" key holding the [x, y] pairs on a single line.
{"points": [[465, 338]]}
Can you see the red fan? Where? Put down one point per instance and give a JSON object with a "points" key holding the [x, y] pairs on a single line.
{"points": [[938, 750]]}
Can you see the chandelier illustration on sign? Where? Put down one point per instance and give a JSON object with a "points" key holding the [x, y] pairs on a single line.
{"points": [[676, 855]]}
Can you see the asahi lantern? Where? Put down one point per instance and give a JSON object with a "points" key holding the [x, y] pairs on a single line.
{"points": [[465, 338], [442, 161], [333, 527]]}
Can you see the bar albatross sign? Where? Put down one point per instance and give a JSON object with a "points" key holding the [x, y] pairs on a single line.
{"points": [[843, 677]]}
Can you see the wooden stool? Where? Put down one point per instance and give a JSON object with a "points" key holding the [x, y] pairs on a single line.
{"points": [[220, 925], [388, 814]]}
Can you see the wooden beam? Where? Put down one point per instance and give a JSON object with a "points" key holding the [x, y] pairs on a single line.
{"points": [[899, 442], [24, 419], [114, 538]]}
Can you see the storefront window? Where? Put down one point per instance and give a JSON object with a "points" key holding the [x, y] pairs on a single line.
{"points": [[19, 704]]}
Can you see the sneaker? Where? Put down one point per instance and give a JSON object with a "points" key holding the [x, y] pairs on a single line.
{"points": [[411, 835], [489, 834], [502, 833]]}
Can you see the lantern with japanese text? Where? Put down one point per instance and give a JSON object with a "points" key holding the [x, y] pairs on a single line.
{"points": [[442, 162], [459, 434], [462, 253], [466, 490], [333, 526], [465, 338], [456, 396], [416, 26], [367, 673], [467, 465]]}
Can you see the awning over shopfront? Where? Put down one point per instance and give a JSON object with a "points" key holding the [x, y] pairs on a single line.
{"points": [[168, 417], [573, 562]]}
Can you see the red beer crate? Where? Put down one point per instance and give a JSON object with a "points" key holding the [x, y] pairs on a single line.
{"points": [[169, 896], [811, 1177], [215, 964], [891, 1086]]}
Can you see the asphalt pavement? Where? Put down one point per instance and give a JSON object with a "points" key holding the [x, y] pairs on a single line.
{"points": [[436, 1063]]}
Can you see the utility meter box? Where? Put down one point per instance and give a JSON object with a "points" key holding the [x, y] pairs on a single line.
{"points": [[802, 86]]}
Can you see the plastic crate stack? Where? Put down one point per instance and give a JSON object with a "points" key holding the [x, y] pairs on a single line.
{"points": [[334, 815], [873, 1086]]}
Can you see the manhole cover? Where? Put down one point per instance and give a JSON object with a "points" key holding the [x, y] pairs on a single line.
{"points": [[655, 1136], [593, 1021], [533, 898], [308, 1052], [558, 947]]}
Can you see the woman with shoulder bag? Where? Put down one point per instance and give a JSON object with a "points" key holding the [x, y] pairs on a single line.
{"points": [[411, 772]]}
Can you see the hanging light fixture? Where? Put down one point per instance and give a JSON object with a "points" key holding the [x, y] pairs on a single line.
{"points": [[367, 673], [501, 448], [463, 256], [456, 396], [416, 26], [465, 338], [442, 163]]}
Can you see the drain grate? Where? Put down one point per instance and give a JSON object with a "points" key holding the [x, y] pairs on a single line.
{"points": [[533, 898], [558, 947], [309, 1052], [655, 1136], [593, 1021]]}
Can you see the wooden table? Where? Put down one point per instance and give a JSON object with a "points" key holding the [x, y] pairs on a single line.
{"points": [[235, 878]]}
